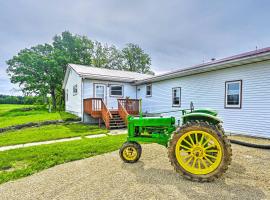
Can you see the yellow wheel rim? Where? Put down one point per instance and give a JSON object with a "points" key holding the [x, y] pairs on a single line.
{"points": [[198, 152], [130, 153]]}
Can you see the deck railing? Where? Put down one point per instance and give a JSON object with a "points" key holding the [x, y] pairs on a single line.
{"points": [[105, 114], [128, 107], [98, 109], [132, 106], [122, 112]]}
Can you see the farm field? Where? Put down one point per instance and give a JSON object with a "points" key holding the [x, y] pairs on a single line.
{"points": [[7, 107], [20, 114]]}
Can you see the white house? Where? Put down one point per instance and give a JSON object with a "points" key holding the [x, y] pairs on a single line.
{"points": [[237, 87]]}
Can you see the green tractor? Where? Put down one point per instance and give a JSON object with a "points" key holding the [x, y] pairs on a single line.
{"points": [[198, 149]]}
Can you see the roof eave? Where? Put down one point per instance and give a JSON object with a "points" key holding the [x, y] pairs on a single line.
{"points": [[107, 78], [206, 68], [66, 77]]}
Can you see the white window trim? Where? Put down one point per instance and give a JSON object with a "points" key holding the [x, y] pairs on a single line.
{"points": [[67, 95], [176, 105], [116, 86], [239, 106], [150, 90], [75, 93]]}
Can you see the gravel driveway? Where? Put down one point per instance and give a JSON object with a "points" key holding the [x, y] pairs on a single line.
{"points": [[107, 177]]}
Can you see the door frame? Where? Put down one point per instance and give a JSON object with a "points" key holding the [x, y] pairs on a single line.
{"points": [[105, 91]]}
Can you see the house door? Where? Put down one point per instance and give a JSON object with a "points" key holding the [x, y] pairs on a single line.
{"points": [[100, 91]]}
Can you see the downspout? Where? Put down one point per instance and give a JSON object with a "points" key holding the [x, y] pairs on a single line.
{"points": [[136, 92], [82, 108]]}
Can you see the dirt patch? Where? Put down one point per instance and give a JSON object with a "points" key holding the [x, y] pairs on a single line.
{"points": [[14, 166], [107, 177]]}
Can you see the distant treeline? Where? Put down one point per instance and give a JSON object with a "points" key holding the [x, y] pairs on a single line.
{"points": [[7, 99]]}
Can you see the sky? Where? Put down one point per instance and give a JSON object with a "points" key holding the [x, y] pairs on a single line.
{"points": [[176, 33]]}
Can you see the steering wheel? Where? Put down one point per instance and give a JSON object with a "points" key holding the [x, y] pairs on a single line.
{"points": [[191, 106]]}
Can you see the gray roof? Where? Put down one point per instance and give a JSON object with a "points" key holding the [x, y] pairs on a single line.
{"points": [[107, 74], [258, 55]]}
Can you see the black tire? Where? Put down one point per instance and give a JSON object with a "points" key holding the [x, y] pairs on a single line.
{"points": [[214, 130], [132, 146]]}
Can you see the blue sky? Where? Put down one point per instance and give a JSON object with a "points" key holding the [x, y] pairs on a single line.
{"points": [[176, 34]]}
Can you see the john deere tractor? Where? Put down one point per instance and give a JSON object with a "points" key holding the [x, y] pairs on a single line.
{"points": [[198, 149]]}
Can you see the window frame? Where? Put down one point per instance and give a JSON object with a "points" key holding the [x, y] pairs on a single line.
{"points": [[75, 86], [176, 105], [150, 90], [67, 95], [238, 106], [117, 85]]}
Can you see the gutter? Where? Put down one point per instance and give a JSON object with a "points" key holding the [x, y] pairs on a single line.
{"points": [[82, 105], [206, 68], [108, 78]]}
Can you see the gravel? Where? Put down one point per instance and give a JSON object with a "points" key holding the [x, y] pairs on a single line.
{"points": [[107, 177]]}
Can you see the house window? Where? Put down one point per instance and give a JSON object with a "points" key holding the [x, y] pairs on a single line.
{"points": [[116, 90], [75, 90], [233, 94], [149, 90], [176, 96], [67, 94]]}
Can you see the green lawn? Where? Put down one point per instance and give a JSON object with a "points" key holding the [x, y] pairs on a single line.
{"points": [[48, 132], [19, 163], [16, 114], [7, 107]]}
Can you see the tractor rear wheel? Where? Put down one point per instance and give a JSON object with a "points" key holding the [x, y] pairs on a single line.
{"points": [[130, 152], [200, 151]]}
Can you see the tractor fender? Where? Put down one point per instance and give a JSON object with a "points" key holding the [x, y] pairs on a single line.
{"points": [[201, 116]]}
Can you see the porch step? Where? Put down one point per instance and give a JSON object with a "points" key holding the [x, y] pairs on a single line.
{"points": [[116, 122], [118, 127]]}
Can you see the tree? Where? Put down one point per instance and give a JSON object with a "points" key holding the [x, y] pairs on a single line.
{"points": [[100, 55], [40, 70], [74, 49], [136, 60], [115, 59], [36, 71]]}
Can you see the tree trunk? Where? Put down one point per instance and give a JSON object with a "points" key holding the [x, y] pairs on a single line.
{"points": [[62, 101], [53, 99]]}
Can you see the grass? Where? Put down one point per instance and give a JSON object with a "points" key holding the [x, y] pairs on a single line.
{"points": [[17, 114], [48, 132], [7, 107], [23, 162]]}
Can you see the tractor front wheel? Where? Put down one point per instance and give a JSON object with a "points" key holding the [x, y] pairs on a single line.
{"points": [[130, 152], [199, 151]]}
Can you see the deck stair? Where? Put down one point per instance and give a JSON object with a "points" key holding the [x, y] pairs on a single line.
{"points": [[113, 119], [116, 122]]}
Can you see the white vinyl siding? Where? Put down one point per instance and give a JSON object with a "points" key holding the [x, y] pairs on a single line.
{"points": [[73, 94], [111, 101], [206, 90]]}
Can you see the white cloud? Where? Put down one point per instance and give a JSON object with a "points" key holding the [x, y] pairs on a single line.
{"points": [[175, 33]]}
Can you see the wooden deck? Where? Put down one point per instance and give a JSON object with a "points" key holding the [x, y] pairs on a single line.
{"points": [[96, 108]]}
